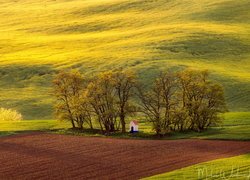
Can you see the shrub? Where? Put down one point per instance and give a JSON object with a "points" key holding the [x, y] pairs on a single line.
{"points": [[10, 115]]}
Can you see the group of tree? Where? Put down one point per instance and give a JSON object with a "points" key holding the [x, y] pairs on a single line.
{"points": [[175, 101], [105, 98], [187, 100]]}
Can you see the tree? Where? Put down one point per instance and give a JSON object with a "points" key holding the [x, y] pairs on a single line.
{"points": [[202, 99], [124, 82], [212, 106], [71, 102], [82, 109], [150, 103], [167, 82], [159, 101], [102, 95]]}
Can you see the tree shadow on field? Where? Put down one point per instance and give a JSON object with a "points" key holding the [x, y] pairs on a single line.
{"points": [[26, 89], [6, 133], [18, 76], [206, 46], [229, 11], [121, 7]]}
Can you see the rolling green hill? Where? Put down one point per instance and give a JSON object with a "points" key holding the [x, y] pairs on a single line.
{"points": [[38, 38]]}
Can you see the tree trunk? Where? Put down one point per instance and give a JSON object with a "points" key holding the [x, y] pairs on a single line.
{"points": [[81, 125], [73, 124], [100, 123], [123, 123], [112, 127], [91, 125]]}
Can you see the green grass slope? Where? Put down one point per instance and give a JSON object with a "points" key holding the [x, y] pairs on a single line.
{"points": [[235, 127], [37, 38], [228, 168]]}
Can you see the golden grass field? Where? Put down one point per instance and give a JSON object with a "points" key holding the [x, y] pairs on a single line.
{"points": [[39, 37]]}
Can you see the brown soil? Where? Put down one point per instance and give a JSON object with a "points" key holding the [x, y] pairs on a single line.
{"points": [[48, 156]]}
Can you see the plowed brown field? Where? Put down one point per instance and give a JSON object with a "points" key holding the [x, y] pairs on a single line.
{"points": [[48, 156]]}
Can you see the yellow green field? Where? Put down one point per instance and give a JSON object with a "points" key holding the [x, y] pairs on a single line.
{"points": [[37, 38]]}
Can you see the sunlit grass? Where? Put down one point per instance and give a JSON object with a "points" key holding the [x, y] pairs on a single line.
{"points": [[56, 32], [236, 126], [7, 128], [228, 168]]}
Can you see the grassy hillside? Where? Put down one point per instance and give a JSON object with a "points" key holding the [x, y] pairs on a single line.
{"points": [[37, 38], [228, 168]]}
